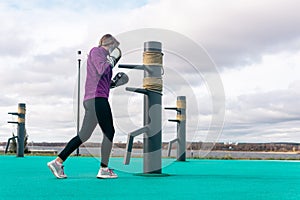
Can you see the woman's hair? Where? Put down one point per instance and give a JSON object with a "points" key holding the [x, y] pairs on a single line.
{"points": [[108, 39]]}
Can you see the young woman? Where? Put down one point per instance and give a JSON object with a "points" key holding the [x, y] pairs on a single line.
{"points": [[97, 108]]}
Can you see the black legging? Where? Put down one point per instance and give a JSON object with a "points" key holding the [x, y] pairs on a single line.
{"points": [[97, 111]]}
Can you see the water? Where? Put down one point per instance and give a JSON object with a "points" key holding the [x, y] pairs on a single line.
{"points": [[118, 152]]}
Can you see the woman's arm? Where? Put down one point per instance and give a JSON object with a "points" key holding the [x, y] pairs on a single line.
{"points": [[99, 60]]}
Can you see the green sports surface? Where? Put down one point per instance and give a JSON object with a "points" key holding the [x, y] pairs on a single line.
{"points": [[30, 178]]}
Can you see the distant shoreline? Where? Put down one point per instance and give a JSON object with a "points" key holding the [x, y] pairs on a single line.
{"points": [[195, 154], [280, 147]]}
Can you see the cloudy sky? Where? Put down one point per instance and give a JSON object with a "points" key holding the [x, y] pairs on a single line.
{"points": [[254, 45]]}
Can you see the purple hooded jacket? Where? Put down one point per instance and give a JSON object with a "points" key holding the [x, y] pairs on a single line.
{"points": [[98, 76]]}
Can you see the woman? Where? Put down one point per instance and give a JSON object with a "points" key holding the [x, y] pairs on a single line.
{"points": [[97, 108]]}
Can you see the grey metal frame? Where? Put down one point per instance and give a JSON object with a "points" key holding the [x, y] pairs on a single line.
{"points": [[21, 129], [152, 128], [181, 130]]}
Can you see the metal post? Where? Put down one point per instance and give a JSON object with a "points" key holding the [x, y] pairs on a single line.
{"points": [[152, 117], [181, 128], [78, 100], [21, 128], [152, 112]]}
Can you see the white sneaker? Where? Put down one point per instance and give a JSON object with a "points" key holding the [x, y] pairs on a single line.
{"points": [[57, 169], [105, 172]]}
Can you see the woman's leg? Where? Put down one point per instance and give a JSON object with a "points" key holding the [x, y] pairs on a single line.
{"points": [[88, 125], [105, 120]]}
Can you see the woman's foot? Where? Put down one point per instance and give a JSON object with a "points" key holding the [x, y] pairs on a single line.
{"points": [[105, 172], [57, 169]]}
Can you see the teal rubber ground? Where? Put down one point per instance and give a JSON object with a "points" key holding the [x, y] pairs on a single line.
{"points": [[29, 178]]}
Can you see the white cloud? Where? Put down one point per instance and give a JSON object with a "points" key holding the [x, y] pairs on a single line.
{"points": [[233, 32], [263, 94], [275, 71]]}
